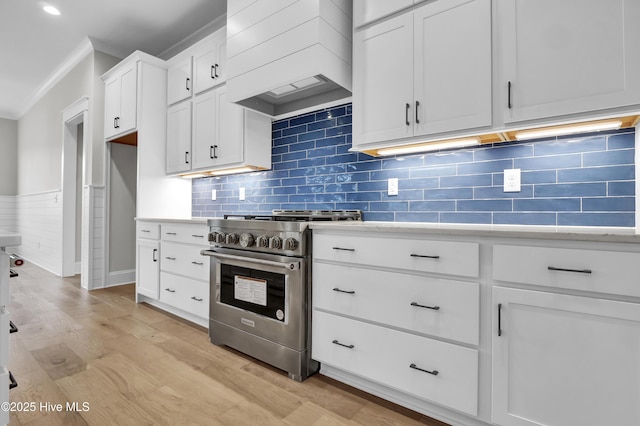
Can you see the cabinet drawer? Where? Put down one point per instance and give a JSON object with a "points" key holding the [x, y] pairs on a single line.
{"points": [[148, 230], [184, 233], [440, 307], [588, 270], [4, 336], [185, 260], [443, 257], [185, 294], [393, 358]]}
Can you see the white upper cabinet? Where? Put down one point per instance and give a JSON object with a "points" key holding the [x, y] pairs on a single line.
{"points": [[567, 57], [179, 153], [423, 72], [209, 62], [121, 101], [179, 81]]}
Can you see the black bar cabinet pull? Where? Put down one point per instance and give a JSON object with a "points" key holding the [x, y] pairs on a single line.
{"points": [[216, 67], [424, 256], [186, 157], [187, 84], [509, 95], [12, 327], [170, 290], [344, 291], [343, 249], [144, 230], [170, 258], [335, 342], [196, 299], [499, 319], [197, 236], [155, 255], [579, 271], [433, 372], [435, 308], [212, 151], [406, 114], [12, 379], [417, 119], [197, 263], [212, 68], [170, 233]]}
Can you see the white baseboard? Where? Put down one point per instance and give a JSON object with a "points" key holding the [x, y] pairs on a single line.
{"points": [[120, 277]]}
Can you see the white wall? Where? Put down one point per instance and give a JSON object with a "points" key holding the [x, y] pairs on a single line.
{"points": [[9, 156]]}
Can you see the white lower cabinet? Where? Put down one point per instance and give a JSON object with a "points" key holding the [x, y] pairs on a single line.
{"points": [[441, 372], [172, 274], [563, 360]]}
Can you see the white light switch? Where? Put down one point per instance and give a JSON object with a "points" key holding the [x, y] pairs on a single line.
{"points": [[392, 186], [213, 195], [512, 180], [241, 194]]}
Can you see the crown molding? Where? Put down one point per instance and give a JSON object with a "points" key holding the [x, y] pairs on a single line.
{"points": [[192, 39], [78, 54]]}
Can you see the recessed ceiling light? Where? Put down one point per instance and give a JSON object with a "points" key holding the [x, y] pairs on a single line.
{"points": [[51, 10]]}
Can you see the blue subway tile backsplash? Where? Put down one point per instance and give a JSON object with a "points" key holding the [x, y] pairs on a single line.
{"points": [[584, 180]]}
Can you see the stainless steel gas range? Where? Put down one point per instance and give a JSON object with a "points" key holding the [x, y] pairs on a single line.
{"points": [[261, 285]]}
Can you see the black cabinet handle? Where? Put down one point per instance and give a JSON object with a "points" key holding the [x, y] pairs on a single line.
{"points": [[12, 379], [343, 249], [335, 342], [212, 151], [435, 308], [216, 70], [144, 230], [170, 290], [499, 319], [424, 256], [155, 255], [196, 299], [186, 157], [197, 236], [406, 114], [12, 327], [171, 233], [197, 263], [509, 95], [417, 119], [187, 84], [170, 258], [579, 271], [212, 68], [344, 291], [433, 372]]}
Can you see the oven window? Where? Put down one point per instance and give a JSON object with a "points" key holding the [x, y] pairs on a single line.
{"points": [[253, 290]]}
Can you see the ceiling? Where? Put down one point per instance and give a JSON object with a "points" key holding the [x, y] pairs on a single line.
{"points": [[35, 44]]}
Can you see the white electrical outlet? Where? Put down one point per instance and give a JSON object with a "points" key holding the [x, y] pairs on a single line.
{"points": [[241, 194], [392, 186], [213, 195], [512, 180]]}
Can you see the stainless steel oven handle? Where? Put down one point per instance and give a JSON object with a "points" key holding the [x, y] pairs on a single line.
{"points": [[291, 266]]}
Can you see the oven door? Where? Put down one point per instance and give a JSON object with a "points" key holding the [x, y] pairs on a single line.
{"points": [[261, 294]]}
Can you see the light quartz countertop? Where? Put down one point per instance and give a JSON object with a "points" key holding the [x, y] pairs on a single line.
{"points": [[9, 239], [195, 220], [578, 233]]}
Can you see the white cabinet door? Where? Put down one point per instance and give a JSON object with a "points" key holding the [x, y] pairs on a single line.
{"points": [[179, 138], [179, 82], [148, 270], [452, 80], [230, 135], [209, 63], [563, 360], [121, 92], [383, 81], [569, 56], [205, 148]]}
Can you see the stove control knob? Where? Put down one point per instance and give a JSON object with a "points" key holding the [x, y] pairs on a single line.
{"points": [[290, 244], [232, 238], [219, 237], [212, 237], [275, 243], [262, 241], [246, 240]]}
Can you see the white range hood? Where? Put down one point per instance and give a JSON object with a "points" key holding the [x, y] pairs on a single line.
{"points": [[287, 55]]}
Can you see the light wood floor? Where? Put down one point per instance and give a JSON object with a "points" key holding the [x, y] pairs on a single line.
{"points": [[136, 365]]}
